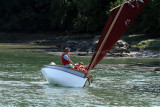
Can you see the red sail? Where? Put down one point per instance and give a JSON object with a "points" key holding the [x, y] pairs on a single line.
{"points": [[115, 28]]}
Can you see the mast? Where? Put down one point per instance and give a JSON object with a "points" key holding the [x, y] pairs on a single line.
{"points": [[106, 37]]}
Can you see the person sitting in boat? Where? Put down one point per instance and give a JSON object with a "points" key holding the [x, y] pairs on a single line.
{"points": [[78, 66], [81, 65], [66, 61]]}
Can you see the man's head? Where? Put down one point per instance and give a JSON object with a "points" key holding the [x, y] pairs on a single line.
{"points": [[81, 63], [66, 50]]}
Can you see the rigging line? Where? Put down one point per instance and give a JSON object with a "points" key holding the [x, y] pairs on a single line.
{"points": [[106, 37]]}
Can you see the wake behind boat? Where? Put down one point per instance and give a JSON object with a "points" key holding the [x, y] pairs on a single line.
{"points": [[118, 22]]}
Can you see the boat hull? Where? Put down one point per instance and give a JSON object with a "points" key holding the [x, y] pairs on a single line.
{"points": [[61, 76]]}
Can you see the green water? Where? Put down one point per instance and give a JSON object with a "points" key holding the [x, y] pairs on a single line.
{"points": [[22, 84]]}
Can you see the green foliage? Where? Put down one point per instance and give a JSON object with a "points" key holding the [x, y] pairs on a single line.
{"points": [[134, 39], [142, 41], [91, 15], [71, 15], [151, 44], [151, 18], [62, 15], [148, 21], [116, 3]]}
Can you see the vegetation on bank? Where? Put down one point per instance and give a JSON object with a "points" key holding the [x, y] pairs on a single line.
{"points": [[142, 41], [135, 40], [21, 36], [31, 55], [72, 19]]}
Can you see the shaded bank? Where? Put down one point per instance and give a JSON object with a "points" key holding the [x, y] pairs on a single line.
{"points": [[148, 61]]}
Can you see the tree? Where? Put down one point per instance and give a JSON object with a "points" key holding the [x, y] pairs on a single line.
{"points": [[148, 21], [71, 15], [91, 15]]}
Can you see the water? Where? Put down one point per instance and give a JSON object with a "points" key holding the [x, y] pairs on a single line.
{"points": [[22, 84]]}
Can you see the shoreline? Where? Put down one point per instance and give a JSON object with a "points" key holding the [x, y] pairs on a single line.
{"points": [[141, 66], [140, 54], [136, 67]]}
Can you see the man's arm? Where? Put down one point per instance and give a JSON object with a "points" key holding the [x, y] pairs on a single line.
{"points": [[68, 59], [71, 62]]}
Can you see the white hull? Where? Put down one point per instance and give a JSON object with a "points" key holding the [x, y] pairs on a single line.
{"points": [[57, 75]]}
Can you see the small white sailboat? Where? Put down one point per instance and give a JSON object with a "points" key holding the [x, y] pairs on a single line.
{"points": [[59, 75], [118, 22]]}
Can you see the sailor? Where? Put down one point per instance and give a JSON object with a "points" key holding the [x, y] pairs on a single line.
{"points": [[66, 61], [81, 65], [78, 66]]}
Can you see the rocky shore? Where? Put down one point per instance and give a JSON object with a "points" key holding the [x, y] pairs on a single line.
{"points": [[138, 67], [85, 48], [139, 54]]}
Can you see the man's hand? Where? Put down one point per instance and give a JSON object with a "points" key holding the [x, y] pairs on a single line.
{"points": [[71, 62]]}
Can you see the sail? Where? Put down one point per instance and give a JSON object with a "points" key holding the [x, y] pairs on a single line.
{"points": [[118, 22]]}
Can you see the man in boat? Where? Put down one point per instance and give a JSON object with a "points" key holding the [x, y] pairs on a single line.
{"points": [[66, 61]]}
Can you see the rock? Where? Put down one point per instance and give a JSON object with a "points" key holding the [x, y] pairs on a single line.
{"points": [[157, 69], [135, 49], [120, 49], [72, 44], [88, 46], [95, 42], [79, 45], [82, 54], [83, 46]]}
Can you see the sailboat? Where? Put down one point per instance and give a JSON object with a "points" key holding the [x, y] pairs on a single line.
{"points": [[120, 18]]}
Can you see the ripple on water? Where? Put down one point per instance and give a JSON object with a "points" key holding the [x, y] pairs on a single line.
{"points": [[110, 87]]}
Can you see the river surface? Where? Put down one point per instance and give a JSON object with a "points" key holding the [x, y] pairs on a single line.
{"points": [[22, 84]]}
